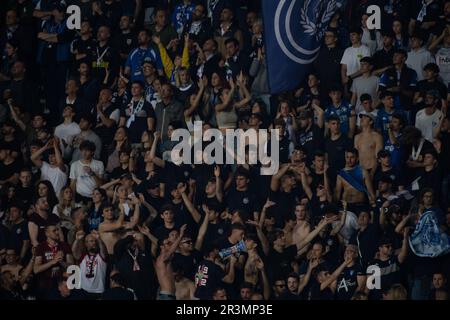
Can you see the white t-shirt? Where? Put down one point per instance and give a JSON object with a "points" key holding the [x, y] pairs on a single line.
{"points": [[352, 57], [66, 132], [85, 184], [427, 123], [93, 273], [443, 61], [362, 85], [373, 45], [57, 178], [417, 59]]}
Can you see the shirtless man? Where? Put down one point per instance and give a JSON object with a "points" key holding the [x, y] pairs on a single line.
{"points": [[110, 227], [184, 288], [12, 264], [302, 227], [355, 182], [368, 143], [163, 266]]}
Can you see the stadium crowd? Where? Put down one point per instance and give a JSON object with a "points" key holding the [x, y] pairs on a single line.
{"points": [[86, 176]]}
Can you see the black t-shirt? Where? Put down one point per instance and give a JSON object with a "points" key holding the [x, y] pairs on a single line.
{"points": [[17, 235], [392, 173], [118, 294], [335, 150], [8, 170], [241, 200], [216, 231], [136, 114], [188, 263], [162, 232], [312, 140], [208, 277], [279, 263], [316, 294], [173, 174], [347, 282], [42, 223], [125, 42], [81, 46], [424, 85], [390, 274], [285, 206], [367, 242]]}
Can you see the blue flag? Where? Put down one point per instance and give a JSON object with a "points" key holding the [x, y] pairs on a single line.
{"points": [[293, 34]]}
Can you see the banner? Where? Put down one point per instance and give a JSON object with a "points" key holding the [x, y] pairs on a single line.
{"points": [[294, 30]]}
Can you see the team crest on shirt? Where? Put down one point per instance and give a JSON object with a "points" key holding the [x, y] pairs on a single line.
{"points": [[245, 200], [19, 231], [129, 41], [220, 231]]}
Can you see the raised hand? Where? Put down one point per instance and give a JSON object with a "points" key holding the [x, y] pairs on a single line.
{"points": [[181, 187], [144, 230], [269, 204], [259, 264], [79, 235], [217, 171]]}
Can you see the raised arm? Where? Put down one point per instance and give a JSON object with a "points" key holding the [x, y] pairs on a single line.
{"points": [[222, 106], [334, 275], [275, 182], [58, 156], [157, 161], [219, 184], [136, 214], [191, 208], [78, 245], [245, 93], [323, 223], [229, 278], [202, 230], [35, 157], [115, 225], [404, 250]]}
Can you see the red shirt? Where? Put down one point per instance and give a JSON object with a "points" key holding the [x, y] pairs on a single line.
{"points": [[48, 278]]}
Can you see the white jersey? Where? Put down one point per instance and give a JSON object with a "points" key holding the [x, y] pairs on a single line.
{"points": [[93, 273], [427, 123]]}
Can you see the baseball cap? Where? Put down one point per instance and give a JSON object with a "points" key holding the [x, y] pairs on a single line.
{"points": [[367, 114], [149, 61]]}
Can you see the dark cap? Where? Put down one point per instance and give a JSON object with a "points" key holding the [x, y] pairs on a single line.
{"points": [[149, 61]]}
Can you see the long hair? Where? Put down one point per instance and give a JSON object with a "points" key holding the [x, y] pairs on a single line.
{"points": [[60, 207], [52, 199]]}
